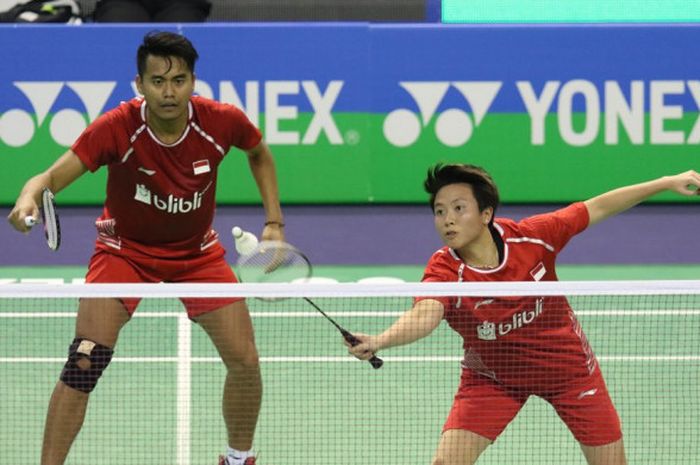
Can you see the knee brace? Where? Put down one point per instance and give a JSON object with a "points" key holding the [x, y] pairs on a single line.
{"points": [[86, 362]]}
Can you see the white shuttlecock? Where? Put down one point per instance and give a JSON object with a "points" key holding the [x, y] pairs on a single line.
{"points": [[245, 241]]}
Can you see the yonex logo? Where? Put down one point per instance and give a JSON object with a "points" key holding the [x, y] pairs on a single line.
{"points": [[453, 127], [17, 127], [279, 110]]}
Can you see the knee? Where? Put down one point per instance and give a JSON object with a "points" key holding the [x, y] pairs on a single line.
{"points": [[242, 361], [86, 362]]}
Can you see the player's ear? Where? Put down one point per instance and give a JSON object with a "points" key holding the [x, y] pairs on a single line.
{"points": [[139, 83], [486, 215]]}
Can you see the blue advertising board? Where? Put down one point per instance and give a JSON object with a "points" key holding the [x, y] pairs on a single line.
{"points": [[357, 112]]}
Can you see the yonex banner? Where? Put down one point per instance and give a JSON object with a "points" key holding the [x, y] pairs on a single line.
{"points": [[357, 112]]}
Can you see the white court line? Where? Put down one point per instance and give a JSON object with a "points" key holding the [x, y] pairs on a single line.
{"points": [[342, 359], [306, 314], [63, 359], [311, 314], [72, 315], [637, 312], [184, 388]]}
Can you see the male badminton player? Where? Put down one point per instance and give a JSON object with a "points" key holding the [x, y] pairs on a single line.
{"points": [[162, 153], [514, 347]]}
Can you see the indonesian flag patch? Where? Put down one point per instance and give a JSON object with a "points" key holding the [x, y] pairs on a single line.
{"points": [[538, 272], [201, 166]]}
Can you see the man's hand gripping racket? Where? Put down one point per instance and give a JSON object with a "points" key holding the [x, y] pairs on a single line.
{"points": [[49, 217], [278, 262]]}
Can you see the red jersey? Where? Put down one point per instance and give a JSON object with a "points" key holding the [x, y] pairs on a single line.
{"points": [[161, 197], [533, 343]]}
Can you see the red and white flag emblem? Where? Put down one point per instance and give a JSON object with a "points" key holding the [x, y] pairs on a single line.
{"points": [[201, 166], [538, 272]]}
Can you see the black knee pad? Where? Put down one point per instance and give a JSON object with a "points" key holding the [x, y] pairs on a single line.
{"points": [[86, 362]]}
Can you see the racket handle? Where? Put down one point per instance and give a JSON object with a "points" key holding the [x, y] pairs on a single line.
{"points": [[29, 221], [375, 361]]}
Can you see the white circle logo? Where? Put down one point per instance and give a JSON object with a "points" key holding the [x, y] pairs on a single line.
{"points": [[16, 128], [402, 127], [453, 127], [66, 126]]}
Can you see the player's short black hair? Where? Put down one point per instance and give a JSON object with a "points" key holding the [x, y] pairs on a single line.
{"points": [[483, 187], [165, 44]]}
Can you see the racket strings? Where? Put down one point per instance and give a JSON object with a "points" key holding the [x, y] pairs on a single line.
{"points": [[274, 262]]}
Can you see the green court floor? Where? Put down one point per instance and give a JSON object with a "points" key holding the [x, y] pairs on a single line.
{"points": [[159, 402], [406, 273]]}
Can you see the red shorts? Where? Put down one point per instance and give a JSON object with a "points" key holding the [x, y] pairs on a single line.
{"points": [[106, 267], [485, 407]]}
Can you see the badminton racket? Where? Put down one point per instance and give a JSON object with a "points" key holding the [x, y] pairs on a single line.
{"points": [[49, 218], [278, 262]]}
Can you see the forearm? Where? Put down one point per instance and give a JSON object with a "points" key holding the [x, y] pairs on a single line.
{"points": [[413, 325], [262, 166], [63, 172], [619, 200], [33, 187]]}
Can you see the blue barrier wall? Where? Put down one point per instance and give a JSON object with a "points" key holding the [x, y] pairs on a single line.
{"points": [[556, 113], [357, 112]]}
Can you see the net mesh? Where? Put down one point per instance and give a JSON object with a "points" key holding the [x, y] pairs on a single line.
{"points": [[159, 402]]}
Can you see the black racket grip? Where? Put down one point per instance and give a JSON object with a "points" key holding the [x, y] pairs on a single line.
{"points": [[375, 361]]}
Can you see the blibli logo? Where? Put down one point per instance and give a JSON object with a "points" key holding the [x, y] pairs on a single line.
{"points": [[169, 204], [453, 127], [488, 331], [18, 127]]}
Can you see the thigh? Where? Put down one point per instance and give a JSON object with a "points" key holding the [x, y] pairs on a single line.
{"points": [[182, 11], [483, 406], [589, 412], [231, 330], [460, 447], [100, 320], [108, 268], [120, 11], [211, 268]]}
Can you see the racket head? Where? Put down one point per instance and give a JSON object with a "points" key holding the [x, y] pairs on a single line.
{"points": [[49, 216], [273, 262]]}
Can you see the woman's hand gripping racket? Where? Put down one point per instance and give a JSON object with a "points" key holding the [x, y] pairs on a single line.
{"points": [[49, 217], [278, 262]]}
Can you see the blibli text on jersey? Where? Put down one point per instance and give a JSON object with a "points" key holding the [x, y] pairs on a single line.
{"points": [[170, 204], [486, 331]]}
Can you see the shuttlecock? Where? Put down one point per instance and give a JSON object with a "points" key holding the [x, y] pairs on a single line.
{"points": [[245, 241]]}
